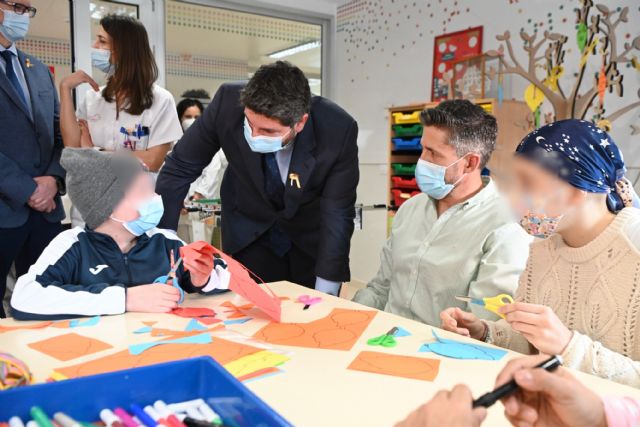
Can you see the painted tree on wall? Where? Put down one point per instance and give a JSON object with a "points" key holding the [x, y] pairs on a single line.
{"points": [[597, 41]]}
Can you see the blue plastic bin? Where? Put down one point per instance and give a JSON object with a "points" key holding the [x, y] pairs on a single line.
{"points": [[199, 377], [407, 144]]}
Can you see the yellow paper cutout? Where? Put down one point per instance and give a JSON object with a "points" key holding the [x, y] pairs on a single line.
{"points": [[255, 362], [552, 80], [533, 96], [588, 51]]}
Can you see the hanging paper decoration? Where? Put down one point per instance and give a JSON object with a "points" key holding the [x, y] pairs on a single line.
{"points": [[500, 83], [533, 96], [553, 76], [536, 117], [602, 84], [581, 36]]}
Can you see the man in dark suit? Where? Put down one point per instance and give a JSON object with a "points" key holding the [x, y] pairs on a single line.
{"points": [[31, 177], [289, 191]]}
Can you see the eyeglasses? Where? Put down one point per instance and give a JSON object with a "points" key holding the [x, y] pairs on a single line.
{"points": [[20, 8]]}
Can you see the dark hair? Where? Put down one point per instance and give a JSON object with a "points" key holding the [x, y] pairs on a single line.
{"points": [[471, 129], [186, 104], [279, 91], [136, 68]]}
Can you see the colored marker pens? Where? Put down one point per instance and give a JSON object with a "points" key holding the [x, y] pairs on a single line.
{"points": [[156, 416], [142, 416], [15, 422], [40, 417], [166, 413], [209, 414], [32, 423], [64, 420], [110, 419], [126, 419]]}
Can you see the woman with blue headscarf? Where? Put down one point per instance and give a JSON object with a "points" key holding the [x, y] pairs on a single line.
{"points": [[580, 293]]}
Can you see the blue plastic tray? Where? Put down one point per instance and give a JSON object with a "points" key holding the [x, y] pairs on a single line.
{"points": [[199, 377], [407, 144]]}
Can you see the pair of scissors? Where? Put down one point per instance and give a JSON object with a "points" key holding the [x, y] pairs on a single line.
{"points": [[172, 276], [308, 301], [386, 340], [491, 304]]}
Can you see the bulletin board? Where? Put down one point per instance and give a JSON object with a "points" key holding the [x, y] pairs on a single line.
{"points": [[447, 49]]}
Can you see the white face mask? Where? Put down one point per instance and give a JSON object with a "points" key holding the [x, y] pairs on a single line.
{"points": [[186, 123]]}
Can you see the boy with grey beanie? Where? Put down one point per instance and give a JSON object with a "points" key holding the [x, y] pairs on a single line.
{"points": [[109, 266]]}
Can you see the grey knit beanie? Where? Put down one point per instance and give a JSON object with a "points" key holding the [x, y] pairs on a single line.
{"points": [[97, 182]]}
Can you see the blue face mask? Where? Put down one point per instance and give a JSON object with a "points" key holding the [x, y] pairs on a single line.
{"points": [[262, 144], [100, 58], [150, 211], [430, 179], [14, 26]]}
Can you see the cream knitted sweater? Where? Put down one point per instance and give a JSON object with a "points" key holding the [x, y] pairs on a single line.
{"points": [[595, 291]]}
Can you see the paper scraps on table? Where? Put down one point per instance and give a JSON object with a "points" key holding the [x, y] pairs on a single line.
{"points": [[171, 333], [254, 362], [308, 301], [91, 321], [262, 373], [237, 321], [194, 339], [236, 311], [223, 351], [143, 330], [16, 327], [69, 346], [194, 325], [417, 368], [339, 330], [193, 312], [242, 284], [401, 332], [462, 350]]}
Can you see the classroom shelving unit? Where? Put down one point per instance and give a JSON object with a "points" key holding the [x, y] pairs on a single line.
{"points": [[405, 131]]}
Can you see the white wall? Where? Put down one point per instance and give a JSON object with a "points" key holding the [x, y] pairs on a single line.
{"points": [[384, 57]]}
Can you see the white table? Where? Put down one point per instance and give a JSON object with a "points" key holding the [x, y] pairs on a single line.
{"points": [[316, 389]]}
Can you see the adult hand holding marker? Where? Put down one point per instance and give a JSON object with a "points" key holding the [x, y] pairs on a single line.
{"points": [[547, 398]]}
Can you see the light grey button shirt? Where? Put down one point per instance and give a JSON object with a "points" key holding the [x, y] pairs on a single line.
{"points": [[474, 249]]}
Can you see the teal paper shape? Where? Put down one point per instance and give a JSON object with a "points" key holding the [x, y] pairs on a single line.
{"points": [[92, 321], [462, 350], [194, 339]]}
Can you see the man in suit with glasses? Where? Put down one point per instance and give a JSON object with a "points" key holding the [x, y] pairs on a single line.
{"points": [[31, 178]]}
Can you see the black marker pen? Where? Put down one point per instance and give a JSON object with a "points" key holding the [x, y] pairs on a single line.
{"points": [[492, 397]]}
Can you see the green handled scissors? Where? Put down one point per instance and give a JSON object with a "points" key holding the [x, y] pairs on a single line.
{"points": [[386, 340], [491, 304]]}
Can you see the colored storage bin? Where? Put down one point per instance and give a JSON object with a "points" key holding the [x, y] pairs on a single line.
{"points": [[407, 130], [403, 168], [407, 144], [400, 196], [406, 118], [200, 377], [404, 182]]}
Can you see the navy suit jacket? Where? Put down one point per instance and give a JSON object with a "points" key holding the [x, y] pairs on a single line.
{"points": [[29, 147], [318, 217]]}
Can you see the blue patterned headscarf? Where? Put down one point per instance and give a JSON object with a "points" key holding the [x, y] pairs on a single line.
{"points": [[584, 156]]}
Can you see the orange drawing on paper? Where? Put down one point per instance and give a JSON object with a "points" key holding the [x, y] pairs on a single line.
{"points": [[69, 346], [338, 331], [418, 368], [236, 311], [221, 350]]}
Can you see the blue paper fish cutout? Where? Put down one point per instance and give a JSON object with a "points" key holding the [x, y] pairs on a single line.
{"points": [[462, 350]]}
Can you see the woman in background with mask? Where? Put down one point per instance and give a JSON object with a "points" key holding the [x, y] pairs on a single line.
{"points": [[580, 294], [131, 112], [207, 186]]}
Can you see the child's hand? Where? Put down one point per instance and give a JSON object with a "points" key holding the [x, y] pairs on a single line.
{"points": [[199, 269], [539, 325], [462, 323], [156, 298]]}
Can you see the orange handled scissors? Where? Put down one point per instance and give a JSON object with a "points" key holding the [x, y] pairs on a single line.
{"points": [[491, 304]]}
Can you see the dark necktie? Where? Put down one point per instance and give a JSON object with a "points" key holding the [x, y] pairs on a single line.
{"points": [[12, 76], [278, 241]]}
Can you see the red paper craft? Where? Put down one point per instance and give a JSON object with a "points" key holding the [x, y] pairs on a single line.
{"points": [[242, 284], [196, 250]]}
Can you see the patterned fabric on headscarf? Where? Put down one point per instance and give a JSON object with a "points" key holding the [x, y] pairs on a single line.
{"points": [[584, 156]]}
